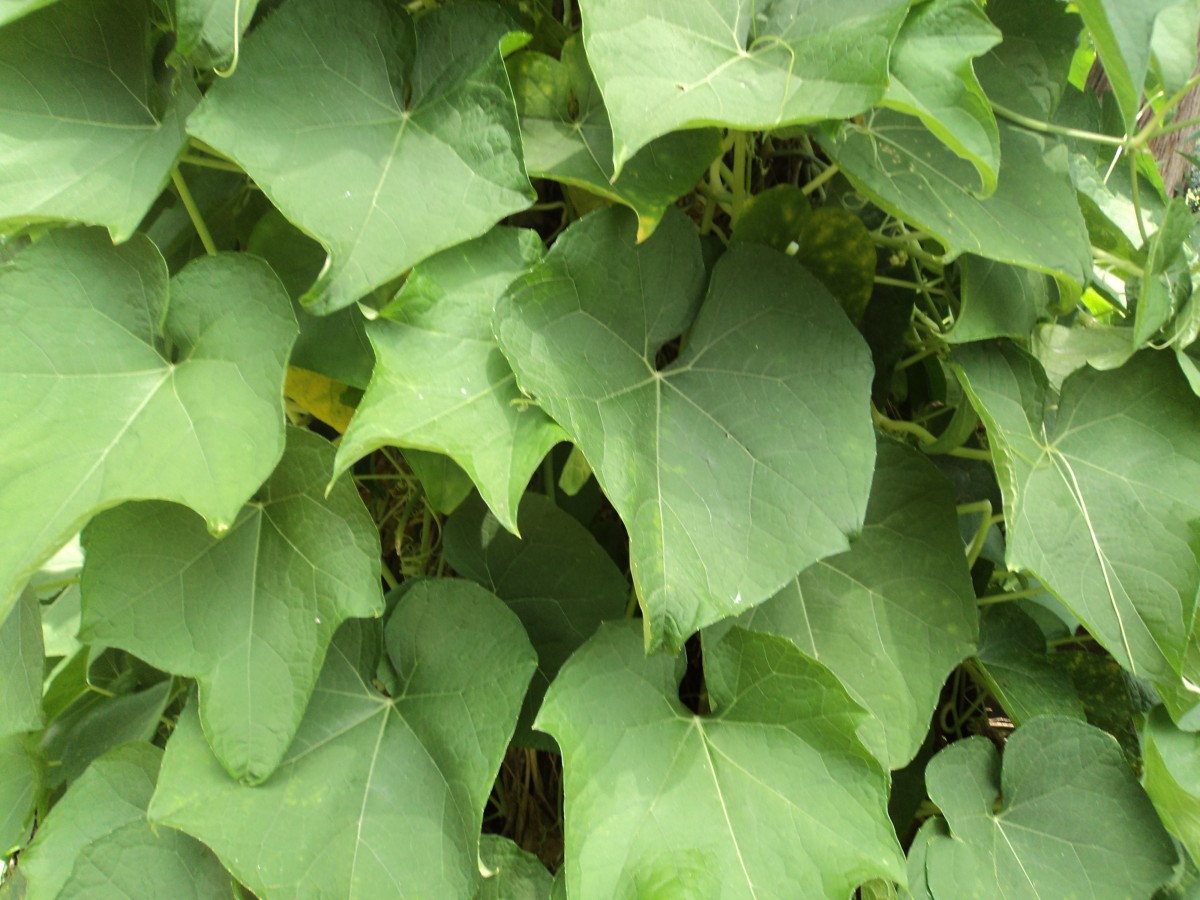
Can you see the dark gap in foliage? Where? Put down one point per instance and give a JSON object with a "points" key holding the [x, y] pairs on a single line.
{"points": [[692, 692]]}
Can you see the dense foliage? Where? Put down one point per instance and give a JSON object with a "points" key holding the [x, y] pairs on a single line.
{"points": [[641, 448]]}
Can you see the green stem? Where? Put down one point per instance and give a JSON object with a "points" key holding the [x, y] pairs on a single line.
{"points": [[971, 453], [1050, 128], [632, 605], [916, 358], [1151, 130], [739, 177], [979, 506], [193, 212], [1134, 191], [1067, 641], [981, 533], [899, 426], [710, 202], [821, 179], [548, 481], [388, 577], [193, 159], [992, 599]]}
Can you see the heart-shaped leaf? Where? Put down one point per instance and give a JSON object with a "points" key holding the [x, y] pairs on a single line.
{"points": [[112, 393], [248, 615], [96, 842], [717, 462], [207, 31], [378, 796], [1117, 449], [85, 133], [441, 383], [892, 616], [668, 65], [662, 802], [568, 138], [1065, 817], [389, 118]]}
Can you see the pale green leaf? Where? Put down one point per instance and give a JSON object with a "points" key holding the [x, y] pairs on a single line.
{"points": [[384, 139], [378, 796], [22, 659], [1065, 818], [86, 134], [206, 31], [509, 873], [1122, 31], [1101, 494], [1172, 777], [933, 79], [998, 300], [1014, 663], [22, 780], [11, 10], [668, 65], [249, 615], [440, 381], [1173, 44], [568, 138], [96, 841], [894, 615], [719, 463], [110, 393], [557, 579], [771, 796], [1062, 350], [1027, 71], [1031, 220]]}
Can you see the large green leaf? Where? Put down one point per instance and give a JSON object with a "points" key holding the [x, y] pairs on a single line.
{"points": [[895, 614], [1027, 71], [932, 78], [85, 132], [557, 579], [442, 384], [1065, 818], [720, 462], [1122, 31], [998, 300], [96, 842], [667, 65], [248, 615], [1017, 670], [384, 139], [1172, 777], [206, 31], [1101, 494], [22, 659], [111, 393], [378, 796], [568, 138], [22, 780], [509, 873], [1032, 219], [771, 796]]}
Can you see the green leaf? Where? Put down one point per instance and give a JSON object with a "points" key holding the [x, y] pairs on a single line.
{"points": [[1019, 673], [1122, 32], [1027, 71], [894, 615], [998, 300], [1062, 350], [668, 65], [718, 462], [96, 841], [249, 615], [555, 577], [1172, 777], [378, 796], [835, 246], [11, 10], [22, 659], [445, 484], [110, 393], [86, 133], [207, 31], [335, 345], [95, 724], [509, 873], [441, 382], [773, 795], [1064, 818], [1031, 220], [1165, 274], [388, 115], [1120, 449], [1173, 44], [22, 780], [932, 78], [568, 138], [774, 218]]}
